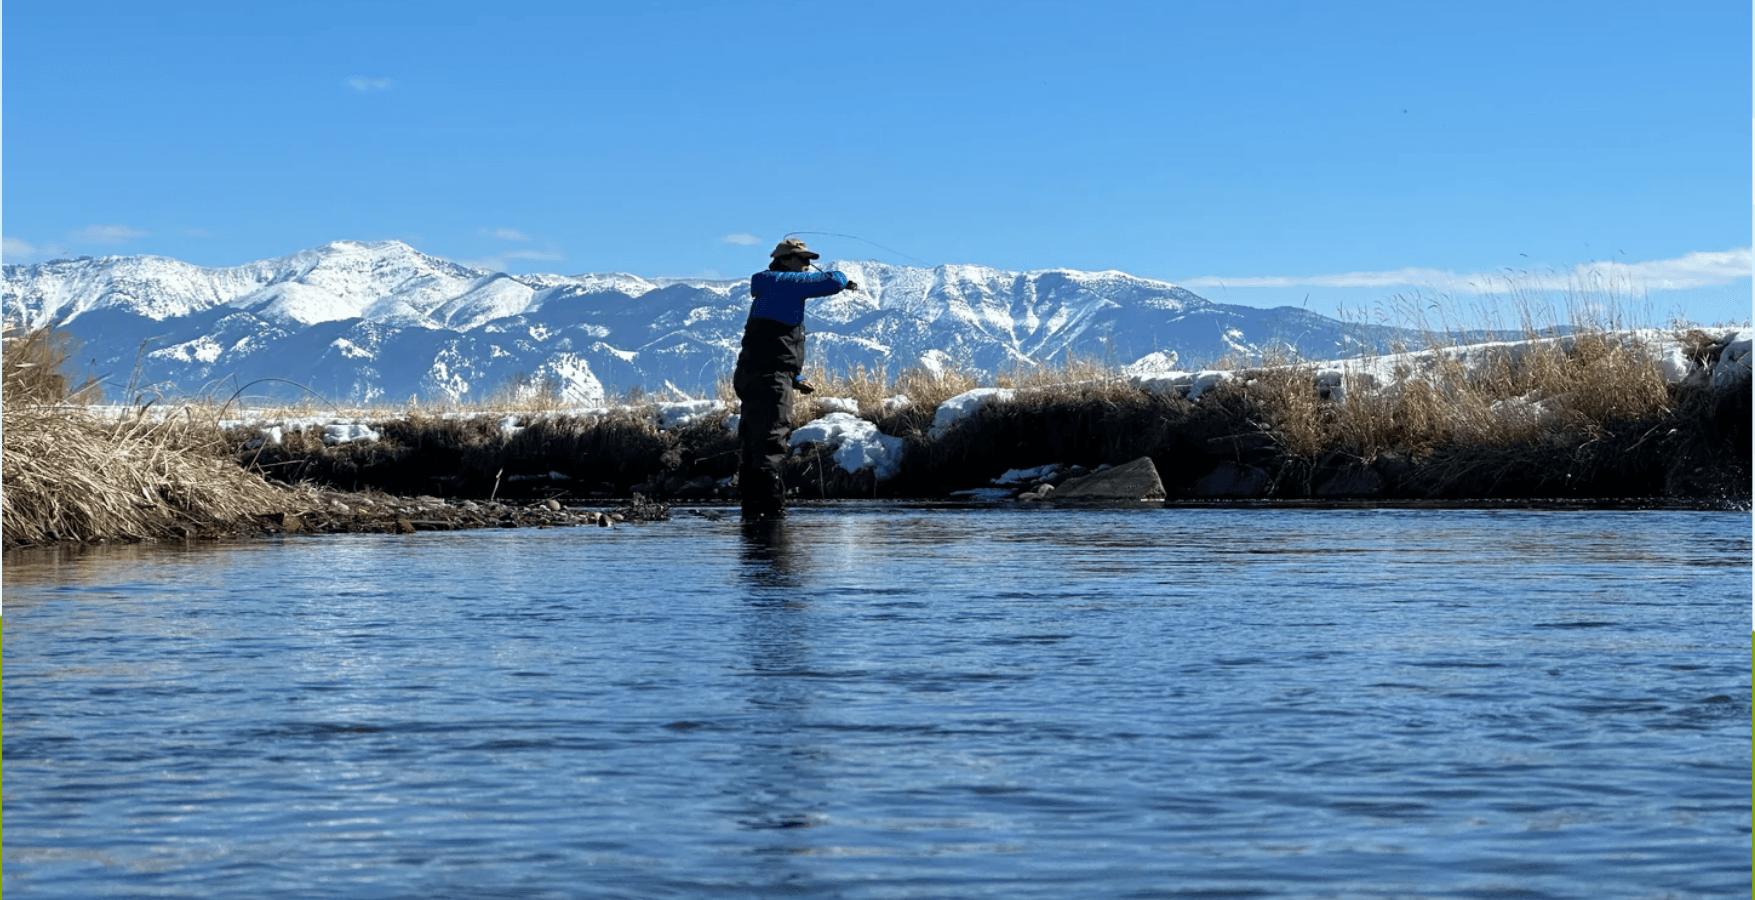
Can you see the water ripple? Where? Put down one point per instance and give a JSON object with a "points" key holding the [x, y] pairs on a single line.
{"points": [[881, 702]]}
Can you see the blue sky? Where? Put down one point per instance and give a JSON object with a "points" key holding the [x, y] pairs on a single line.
{"points": [[1338, 155]]}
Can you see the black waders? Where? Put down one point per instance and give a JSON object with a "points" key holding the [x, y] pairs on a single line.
{"points": [[771, 358]]}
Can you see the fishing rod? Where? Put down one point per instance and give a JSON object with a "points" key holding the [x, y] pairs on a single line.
{"points": [[854, 286], [861, 240], [851, 284]]}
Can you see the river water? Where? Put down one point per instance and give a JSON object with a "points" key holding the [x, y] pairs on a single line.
{"points": [[878, 701]]}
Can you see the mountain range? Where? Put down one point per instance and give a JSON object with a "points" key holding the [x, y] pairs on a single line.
{"points": [[373, 322]]}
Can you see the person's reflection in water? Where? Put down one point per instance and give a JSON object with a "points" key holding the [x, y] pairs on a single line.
{"points": [[768, 564], [783, 787]]}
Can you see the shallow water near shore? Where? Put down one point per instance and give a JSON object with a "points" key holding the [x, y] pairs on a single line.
{"points": [[873, 701]]}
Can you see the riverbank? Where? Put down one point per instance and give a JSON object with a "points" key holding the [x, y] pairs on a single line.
{"points": [[1610, 418], [1623, 418]]}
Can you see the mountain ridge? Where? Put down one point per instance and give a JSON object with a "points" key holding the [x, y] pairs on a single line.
{"points": [[374, 321]]}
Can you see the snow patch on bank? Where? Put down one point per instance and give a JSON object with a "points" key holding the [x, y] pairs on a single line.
{"points": [[1733, 364], [686, 412], [1187, 384], [858, 444], [965, 405]]}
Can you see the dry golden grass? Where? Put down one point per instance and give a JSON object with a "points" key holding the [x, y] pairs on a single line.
{"points": [[70, 476], [1070, 370], [1074, 380], [1445, 395], [34, 366], [1487, 396], [869, 387], [926, 388], [1285, 391], [527, 395]]}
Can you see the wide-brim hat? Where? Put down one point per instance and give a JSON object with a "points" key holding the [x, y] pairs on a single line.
{"points": [[793, 247]]}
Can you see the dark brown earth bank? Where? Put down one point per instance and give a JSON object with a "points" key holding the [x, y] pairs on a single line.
{"points": [[1582, 421], [1695, 454]]}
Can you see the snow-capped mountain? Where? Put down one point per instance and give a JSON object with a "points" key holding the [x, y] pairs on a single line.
{"points": [[362, 322]]}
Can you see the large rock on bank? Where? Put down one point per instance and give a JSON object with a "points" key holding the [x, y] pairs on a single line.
{"points": [[1130, 482]]}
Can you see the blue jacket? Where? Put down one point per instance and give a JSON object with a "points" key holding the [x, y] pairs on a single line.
{"points": [[780, 295]]}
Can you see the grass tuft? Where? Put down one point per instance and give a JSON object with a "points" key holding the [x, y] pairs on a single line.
{"points": [[68, 475]]}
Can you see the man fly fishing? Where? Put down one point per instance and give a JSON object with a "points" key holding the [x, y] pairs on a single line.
{"points": [[768, 369]]}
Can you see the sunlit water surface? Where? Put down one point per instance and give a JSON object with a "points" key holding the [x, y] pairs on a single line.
{"points": [[876, 702]]}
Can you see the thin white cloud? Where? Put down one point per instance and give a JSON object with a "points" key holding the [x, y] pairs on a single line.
{"points": [[740, 239], [497, 259], [105, 234], [502, 262], [18, 250], [362, 84], [1391, 278], [1693, 270], [1697, 269]]}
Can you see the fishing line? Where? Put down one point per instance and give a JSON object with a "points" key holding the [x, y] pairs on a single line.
{"points": [[862, 240]]}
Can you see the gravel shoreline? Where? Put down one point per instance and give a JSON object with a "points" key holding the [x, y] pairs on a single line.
{"points": [[377, 512], [326, 511]]}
